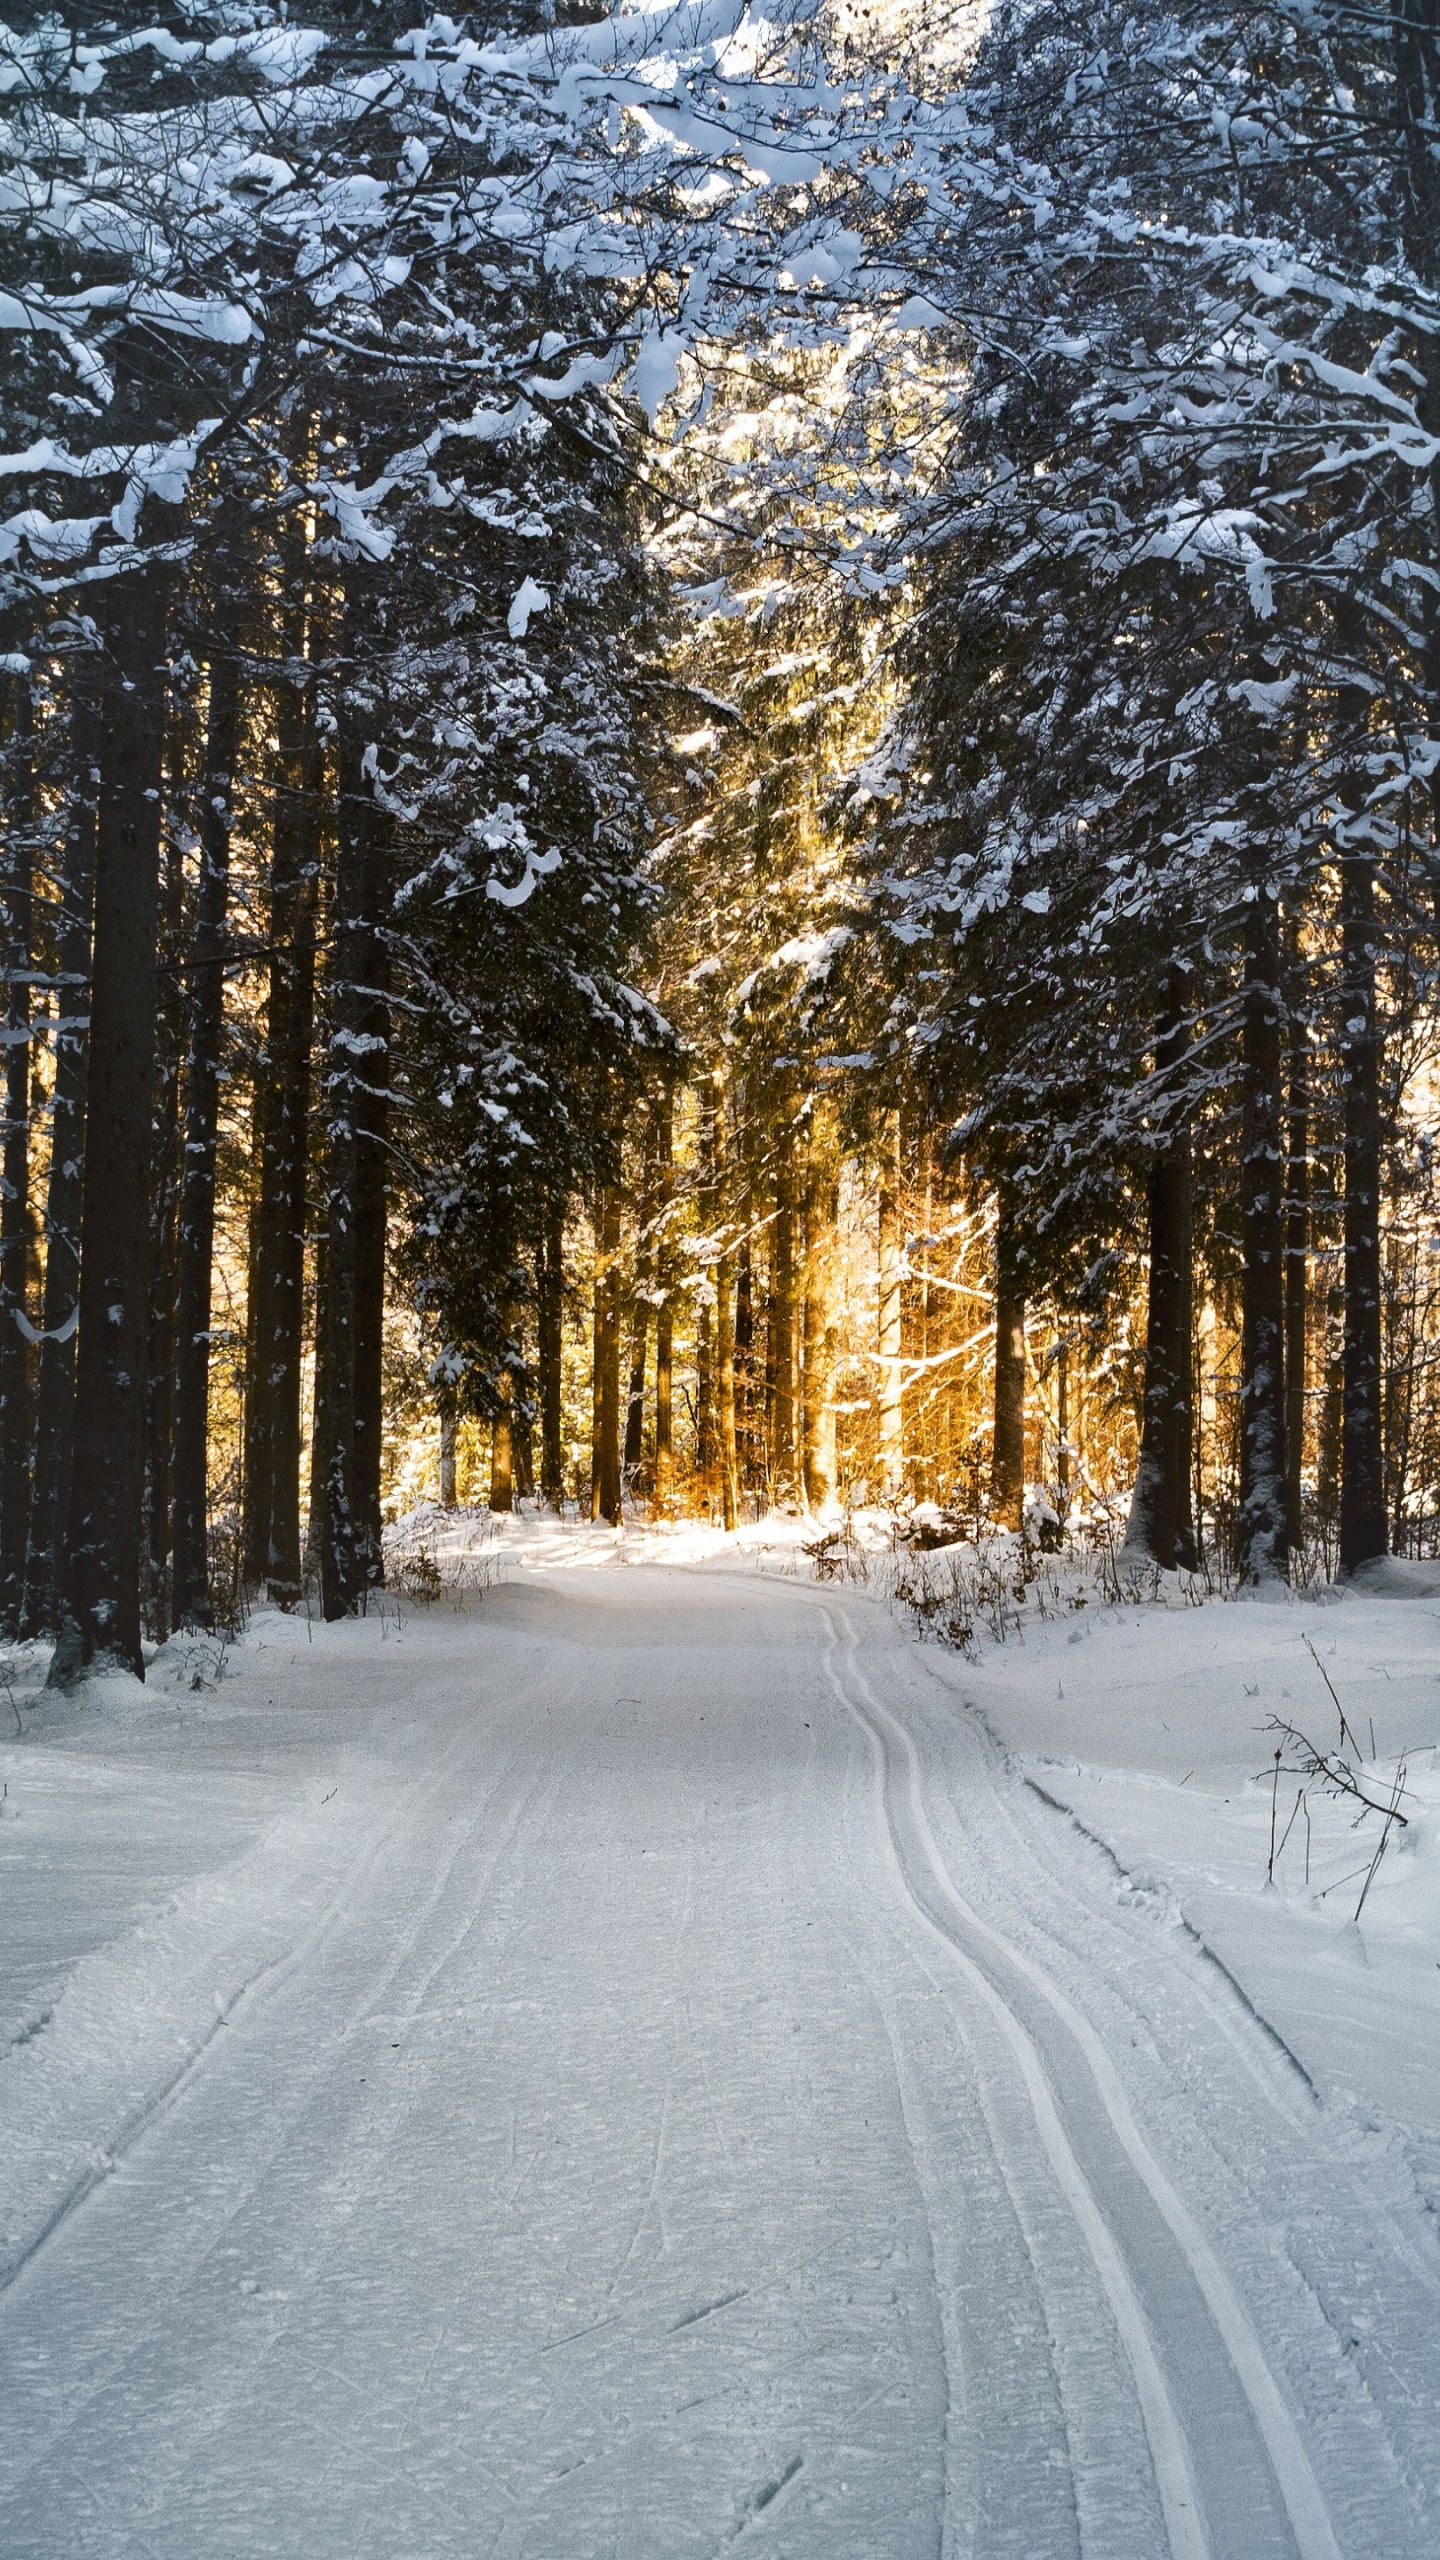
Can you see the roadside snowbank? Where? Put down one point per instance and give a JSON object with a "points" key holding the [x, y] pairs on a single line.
{"points": [[1153, 1730]]}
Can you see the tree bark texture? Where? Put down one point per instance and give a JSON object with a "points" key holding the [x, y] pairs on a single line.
{"points": [[605, 1500], [101, 1595], [19, 861], [55, 1387], [1160, 1526], [1363, 1526], [664, 1312], [502, 1455], [1262, 1540], [273, 1415], [356, 1085], [891, 1269], [549, 1336], [727, 1451], [1007, 1455], [821, 1209], [189, 1529], [782, 1317], [1297, 1264]]}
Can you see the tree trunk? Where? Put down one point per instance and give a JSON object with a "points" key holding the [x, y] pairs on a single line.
{"points": [[1363, 1534], [101, 1593], [605, 1502], [819, 1429], [15, 1156], [1007, 1457], [1263, 1547], [549, 1338], [1160, 1526], [727, 1451], [782, 1316], [1297, 1259], [319, 1420], [189, 1545], [448, 1436], [50, 1499], [891, 1261], [172, 1014], [273, 1436], [372, 1203], [502, 1457], [745, 1396], [664, 1313], [357, 1077]]}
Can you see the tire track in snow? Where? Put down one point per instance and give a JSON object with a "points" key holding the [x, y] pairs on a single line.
{"points": [[1188, 2338]]}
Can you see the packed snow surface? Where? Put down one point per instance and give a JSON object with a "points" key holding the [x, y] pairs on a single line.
{"points": [[646, 2058]]}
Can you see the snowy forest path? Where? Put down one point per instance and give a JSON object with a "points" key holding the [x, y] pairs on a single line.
{"points": [[703, 2101]]}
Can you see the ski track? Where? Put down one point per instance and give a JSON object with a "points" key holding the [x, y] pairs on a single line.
{"points": [[709, 2112]]}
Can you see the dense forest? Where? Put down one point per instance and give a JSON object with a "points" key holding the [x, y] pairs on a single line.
{"points": [[721, 774]]}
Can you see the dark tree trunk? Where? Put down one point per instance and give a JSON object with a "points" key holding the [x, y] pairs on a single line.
{"points": [[1262, 1543], [273, 1559], [821, 1209], [101, 1594], [1160, 1524], [56, 1384], [171, 1028], [782, 1317], [355, 1184], [634, 1448], [15, 1156], [372, 1205], [502, 1455], [890, 1262], [1007, 1458], [726, 1449], [1363, 1528], [1297, 1257], [635, 1392], [319, 1412], [189, 1540], [664, 1312], [549, 1336], [447, 1457], [745, 1353], [605, 1503]]}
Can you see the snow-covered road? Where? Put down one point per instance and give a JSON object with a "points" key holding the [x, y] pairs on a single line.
{"points": [[627, 2070]]}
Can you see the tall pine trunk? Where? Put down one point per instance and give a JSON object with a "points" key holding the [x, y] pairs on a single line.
{"points": [[664, 1312], [55, 1389], [727, 1451], [782, 1315], [1297, 1255], [1007, 1452], [549, 1338], [100, 1614], [890, 1243], [1161, 1526], [191, 1603], [356, 1191], [820, 1208], [502, 1453], [1363, 1529], [1262, 1543], [19, 862], [605, 1501], [273, 1559], [171, 1021]]}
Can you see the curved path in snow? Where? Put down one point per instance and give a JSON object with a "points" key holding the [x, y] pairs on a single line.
{"points": [[650, 2083]]}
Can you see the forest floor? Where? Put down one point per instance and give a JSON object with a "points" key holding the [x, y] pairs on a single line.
{"points": [[644, 2061]]}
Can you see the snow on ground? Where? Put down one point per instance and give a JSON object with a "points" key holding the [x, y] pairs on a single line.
{"points": [[634, 2054]]}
